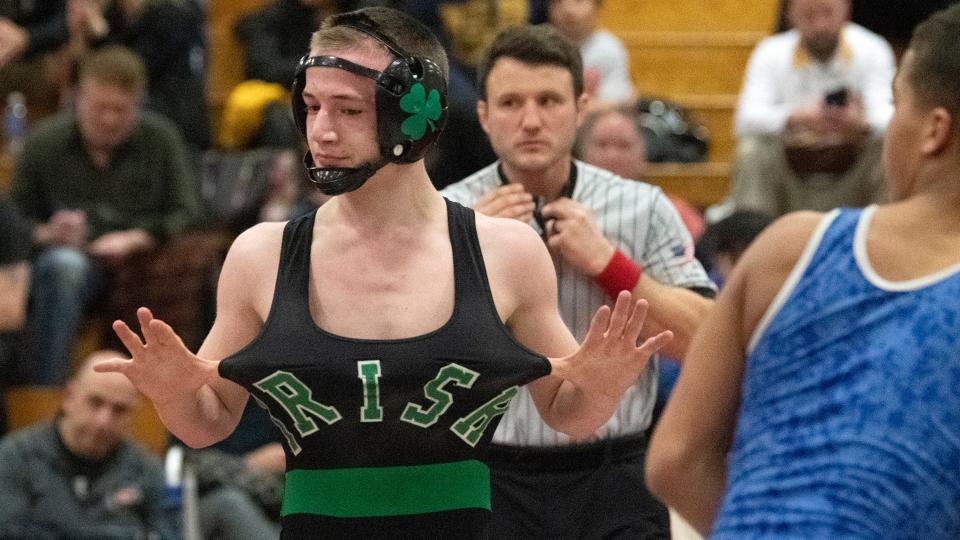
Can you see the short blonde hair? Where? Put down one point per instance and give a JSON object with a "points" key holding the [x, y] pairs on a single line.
{"points": [[406, 32], [117, 66]]}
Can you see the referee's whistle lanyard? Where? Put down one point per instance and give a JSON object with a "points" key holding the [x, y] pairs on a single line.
{"points": [[539, 201]]}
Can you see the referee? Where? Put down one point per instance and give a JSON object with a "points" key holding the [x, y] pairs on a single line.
{"points": [[606, 234]]}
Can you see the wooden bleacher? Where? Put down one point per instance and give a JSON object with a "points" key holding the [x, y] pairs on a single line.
{"points": [[700, 184], [6, 172], [694, 53]]}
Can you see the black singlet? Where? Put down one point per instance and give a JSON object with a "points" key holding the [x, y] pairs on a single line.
{"points": [[385, 438]]}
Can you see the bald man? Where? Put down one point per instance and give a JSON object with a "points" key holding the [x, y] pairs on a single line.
{"points": [[81, 476], [78, 476]]}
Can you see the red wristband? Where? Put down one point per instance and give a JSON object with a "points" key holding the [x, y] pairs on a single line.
{"points": [[621, 274]]}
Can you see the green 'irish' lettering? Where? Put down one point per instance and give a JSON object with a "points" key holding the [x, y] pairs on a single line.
{"points": [[291, 440], [442, 399], [369, 372], [471, 427], [297, 399]]}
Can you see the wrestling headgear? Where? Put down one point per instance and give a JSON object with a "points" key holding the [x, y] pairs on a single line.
{"points": [[411, 106]]}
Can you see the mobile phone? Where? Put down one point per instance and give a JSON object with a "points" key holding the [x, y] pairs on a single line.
{"points": [[837, 98]]}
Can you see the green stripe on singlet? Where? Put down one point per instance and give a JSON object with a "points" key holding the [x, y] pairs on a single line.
{"points": [[387, 491]]}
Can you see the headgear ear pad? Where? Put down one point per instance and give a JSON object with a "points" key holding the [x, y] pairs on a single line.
{"points": [[411, 98]]}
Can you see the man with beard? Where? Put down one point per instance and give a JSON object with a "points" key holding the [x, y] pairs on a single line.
{"points": [[814, 104]]}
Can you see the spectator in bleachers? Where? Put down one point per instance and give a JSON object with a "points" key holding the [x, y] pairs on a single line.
{"points": [[724, 242], [815, 102], [169, 37], [274, 37], [257, 474], [467, 27], [286, 193], [14, 285], [613, 138], [30, 33], [606, 65], [251, 460], [80, 476], [28, 28], [257, 112], [99, 184]]}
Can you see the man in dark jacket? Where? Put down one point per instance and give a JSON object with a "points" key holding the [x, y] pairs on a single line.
{"points": [[98, 185], [79, 477]]}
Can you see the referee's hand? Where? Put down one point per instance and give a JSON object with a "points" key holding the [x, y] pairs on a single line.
{"points": [[508, 201], [572, 234]]}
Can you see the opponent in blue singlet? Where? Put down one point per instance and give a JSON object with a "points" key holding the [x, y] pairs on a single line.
{"points": [[849, 426]]}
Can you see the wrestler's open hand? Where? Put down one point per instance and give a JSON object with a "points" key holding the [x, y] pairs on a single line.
{"points": [[162, 367], [609, 360]]}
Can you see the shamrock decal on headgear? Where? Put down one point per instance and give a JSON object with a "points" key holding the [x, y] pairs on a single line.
{"points": [[424, 109], [411, 105]]}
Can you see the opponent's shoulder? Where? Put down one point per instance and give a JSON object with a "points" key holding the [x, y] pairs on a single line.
{"points": [[764, 268], [782, 242]]}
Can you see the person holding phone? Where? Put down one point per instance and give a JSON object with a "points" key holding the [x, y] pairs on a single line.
{"points": [[815, 102]]}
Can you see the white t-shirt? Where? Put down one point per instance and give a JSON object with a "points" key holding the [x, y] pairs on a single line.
{"points": [[781, 78], [605, 53]]}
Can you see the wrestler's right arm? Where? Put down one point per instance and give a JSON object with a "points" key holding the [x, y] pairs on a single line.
{"points": [[193, 401]]}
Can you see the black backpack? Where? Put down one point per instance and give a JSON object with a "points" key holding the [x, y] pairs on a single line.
{"points": [[671, 135]]}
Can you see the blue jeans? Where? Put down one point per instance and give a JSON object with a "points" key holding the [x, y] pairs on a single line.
{"points": [[65, 282]]}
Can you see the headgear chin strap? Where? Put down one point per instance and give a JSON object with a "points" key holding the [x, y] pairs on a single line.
{"points": [[336, 180], [411, 105]]}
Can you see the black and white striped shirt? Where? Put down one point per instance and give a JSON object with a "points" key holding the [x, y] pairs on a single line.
{"points": [[639, 220]]}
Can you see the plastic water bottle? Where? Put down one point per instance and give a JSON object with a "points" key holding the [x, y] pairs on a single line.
{"points": [[15, 122], [173, 476]]}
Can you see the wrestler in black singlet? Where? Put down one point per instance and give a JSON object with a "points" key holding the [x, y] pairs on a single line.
{"points": [[385, 438]]}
